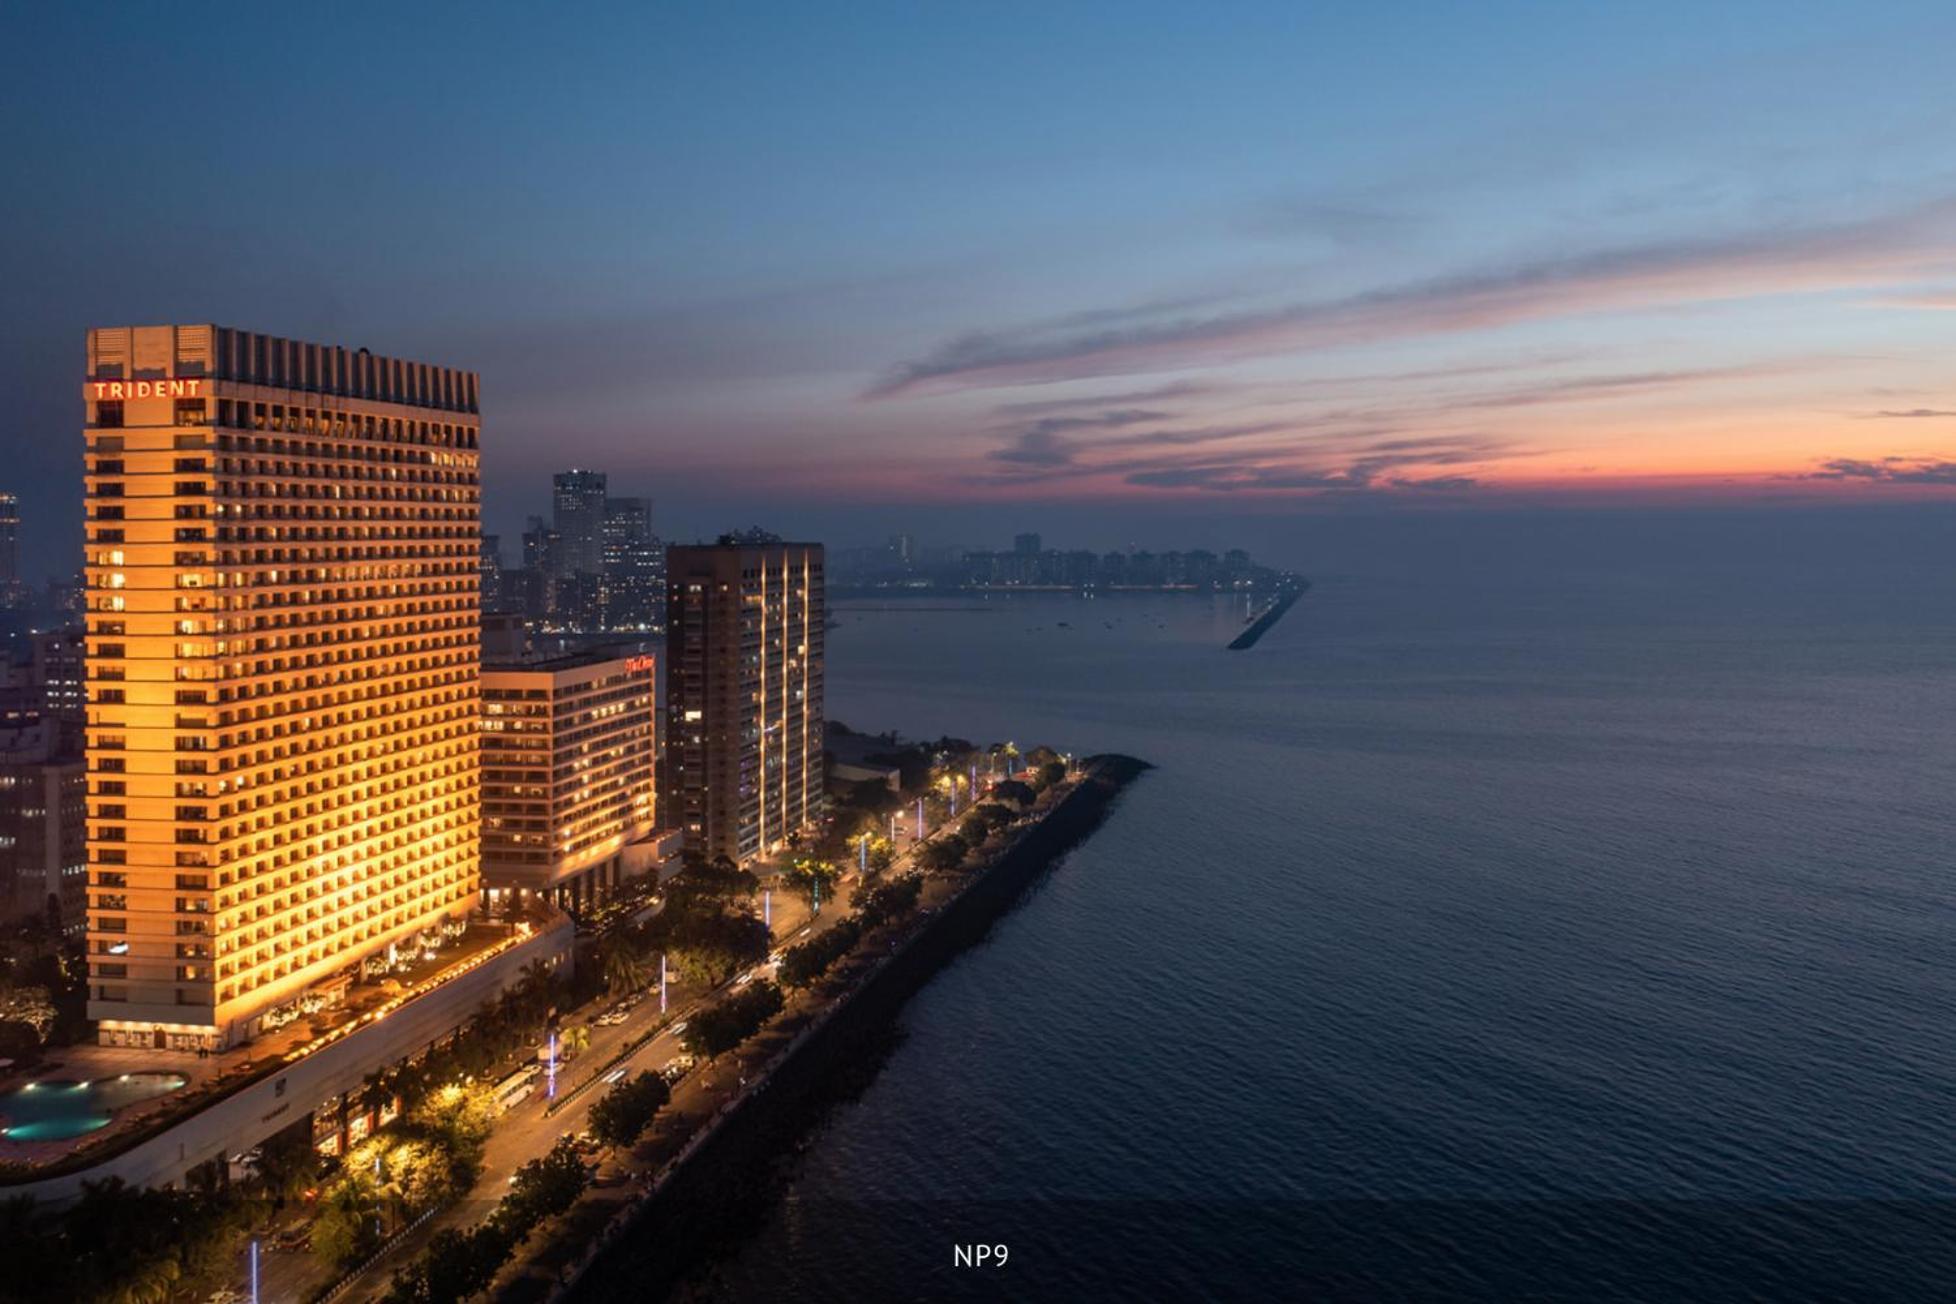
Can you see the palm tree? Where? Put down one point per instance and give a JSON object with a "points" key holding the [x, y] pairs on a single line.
{"points": [[574, 1041], [377, 1092], [623, 964]]}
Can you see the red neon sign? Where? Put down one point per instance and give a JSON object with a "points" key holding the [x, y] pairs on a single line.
{"points": [[189, 387], [638, 665]]}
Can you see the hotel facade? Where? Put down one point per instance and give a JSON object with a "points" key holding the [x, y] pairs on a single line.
{"points": [[567, 775], [744, 646], [283, 658]]}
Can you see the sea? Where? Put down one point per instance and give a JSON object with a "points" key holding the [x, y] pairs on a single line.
{"points": [[1549, 907]]}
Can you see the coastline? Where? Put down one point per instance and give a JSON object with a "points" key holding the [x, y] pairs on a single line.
{"points": [[653, 1243]]}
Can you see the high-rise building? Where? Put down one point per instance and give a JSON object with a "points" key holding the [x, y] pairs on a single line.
{"points": [[744, 639], [577, 501], [12, 591], [43, 826], [491, 558], [567, 773], [283, 654], [1026, 545], [634, 566]]}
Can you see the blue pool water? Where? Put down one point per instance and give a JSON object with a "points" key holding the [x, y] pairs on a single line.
{"points": [[55, 1111]]}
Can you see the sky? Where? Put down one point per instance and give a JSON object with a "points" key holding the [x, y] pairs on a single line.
{"points": [[1118, 272]]}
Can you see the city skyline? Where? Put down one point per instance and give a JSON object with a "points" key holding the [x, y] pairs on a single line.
{"points": [[1483, 260]]}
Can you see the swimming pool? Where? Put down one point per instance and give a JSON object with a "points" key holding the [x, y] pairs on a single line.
{"points": [[56, 1110]]}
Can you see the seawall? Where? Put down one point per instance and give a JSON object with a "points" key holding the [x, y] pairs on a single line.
{"points": [[710, 1196]]}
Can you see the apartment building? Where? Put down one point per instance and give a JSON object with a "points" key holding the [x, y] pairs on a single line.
{"points": [[746, 621]]}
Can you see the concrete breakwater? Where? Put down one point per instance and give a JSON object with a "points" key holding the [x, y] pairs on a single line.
{"points": [[718, 1187], [1269, 617]]}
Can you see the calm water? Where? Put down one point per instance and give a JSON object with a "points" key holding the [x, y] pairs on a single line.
{"points": [[1574, 927]]}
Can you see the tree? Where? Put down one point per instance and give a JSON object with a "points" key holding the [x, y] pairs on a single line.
{"points": [[891, 900], [813, 877], [942, 854], [1016, 792], [716, 882], [545, 1187], [624, 1112], [710, 947], [574, 1041], [719, 1028], [622, 956], [801, 965], [347, 1227]]}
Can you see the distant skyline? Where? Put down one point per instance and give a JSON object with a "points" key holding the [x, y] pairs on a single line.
{"points": [[966, 270]]}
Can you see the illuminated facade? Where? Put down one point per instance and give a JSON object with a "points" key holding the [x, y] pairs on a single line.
{"points": [[744, 640], [283, 669], [567, 773]]}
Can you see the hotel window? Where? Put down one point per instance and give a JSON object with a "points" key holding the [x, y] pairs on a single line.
{"points": [[108, 414], [190, 412]]}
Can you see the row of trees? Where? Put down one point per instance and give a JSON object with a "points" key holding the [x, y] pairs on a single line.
{"points": [[458, 1264], [802, 965], [720, 1027]]}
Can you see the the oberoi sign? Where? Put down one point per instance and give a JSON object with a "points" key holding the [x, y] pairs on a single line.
{"points": [[637, 665], [189, 387]]}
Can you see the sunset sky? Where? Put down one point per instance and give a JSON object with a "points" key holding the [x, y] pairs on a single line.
{"points": [[952, 267]]}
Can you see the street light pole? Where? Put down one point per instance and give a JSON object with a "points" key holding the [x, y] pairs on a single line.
{"points": [[662, 982], [254, 1272], [920, 819]]}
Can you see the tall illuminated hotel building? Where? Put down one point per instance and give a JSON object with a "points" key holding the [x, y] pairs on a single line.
{"points": [[744, 638], [283, 669]]}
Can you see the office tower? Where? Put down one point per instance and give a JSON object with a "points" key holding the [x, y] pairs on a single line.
{"points": [[539, 545], [744, 638], [43, 825], [577, 500], [12, 592], [1026, 545], [903, 549], [491, 572], [634, 567], [567, 773], [58, 671], [283, 651]]}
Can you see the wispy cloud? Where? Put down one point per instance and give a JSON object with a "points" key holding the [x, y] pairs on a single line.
{"points": [[1888, 470], [1774, 261], [1913, 413]]}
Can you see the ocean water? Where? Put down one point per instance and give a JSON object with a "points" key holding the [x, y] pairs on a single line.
{"points": [[1511, 922]]}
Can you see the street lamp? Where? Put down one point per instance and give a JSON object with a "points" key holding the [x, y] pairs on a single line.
{"points": [[662, 982], [254, 1272]]}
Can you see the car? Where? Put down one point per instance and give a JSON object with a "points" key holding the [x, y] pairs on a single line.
{"points": [[745, 978], [678, 1028], [616, 1075]]}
